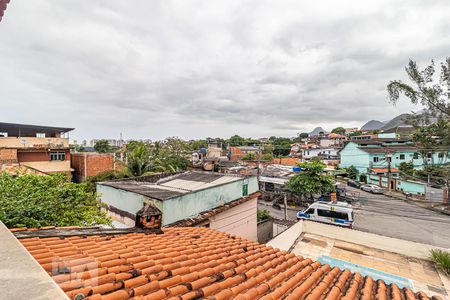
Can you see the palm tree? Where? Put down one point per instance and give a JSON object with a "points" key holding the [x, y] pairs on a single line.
{"points": [[139, 162]]}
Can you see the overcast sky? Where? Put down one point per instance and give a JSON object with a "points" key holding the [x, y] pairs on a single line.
{"points": [[193, 69]]}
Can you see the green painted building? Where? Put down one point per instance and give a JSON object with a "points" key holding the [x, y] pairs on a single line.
{"points": [[366, 155]]}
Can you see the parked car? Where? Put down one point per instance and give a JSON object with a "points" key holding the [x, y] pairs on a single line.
{"points": [[372, 188], [354, 183]]}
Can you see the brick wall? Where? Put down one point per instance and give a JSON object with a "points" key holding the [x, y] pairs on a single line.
{"points": [[95, 164], [8, 155], [33, 156]]}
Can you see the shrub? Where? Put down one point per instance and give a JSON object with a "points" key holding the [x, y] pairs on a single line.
{"points": [[263, 215], [441, 259], [35, 200]]}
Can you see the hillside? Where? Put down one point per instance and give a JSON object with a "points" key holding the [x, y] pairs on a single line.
{"points": [[372, 125]]}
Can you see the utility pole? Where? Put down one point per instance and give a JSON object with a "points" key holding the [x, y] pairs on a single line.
{"points": [[389, 159], [285, 206]]}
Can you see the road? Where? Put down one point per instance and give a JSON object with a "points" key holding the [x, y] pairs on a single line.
{"points": [[394, 218]]}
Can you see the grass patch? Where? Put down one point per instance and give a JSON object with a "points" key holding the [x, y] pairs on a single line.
{"points": [[441, 259]]}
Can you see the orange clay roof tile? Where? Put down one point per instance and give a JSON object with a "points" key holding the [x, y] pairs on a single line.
{"points": [[192, 263]]}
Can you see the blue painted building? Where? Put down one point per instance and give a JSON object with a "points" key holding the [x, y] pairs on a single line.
{"points": [[376, 153]]}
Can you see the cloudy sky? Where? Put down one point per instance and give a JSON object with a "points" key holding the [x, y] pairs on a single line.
{"points": [[192, 69]]}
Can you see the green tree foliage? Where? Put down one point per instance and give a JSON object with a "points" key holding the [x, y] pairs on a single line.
{"points": [[249, 156], [102, 146], [34, 201], [170, 155], [91, 181], [359, 132], [281, 146], [138, 161], [311, 180], [236, 141], [303, 135], [267, 156], [352, 172], [338, 130], [406, 168], [363, 178], [197, 144], [262, 215], [425, 89]]}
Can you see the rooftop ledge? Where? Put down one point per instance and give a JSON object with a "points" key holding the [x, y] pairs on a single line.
{"points": [[18, 269]]}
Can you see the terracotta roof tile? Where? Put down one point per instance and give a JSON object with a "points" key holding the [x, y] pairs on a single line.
{"points": [[193, 263]]}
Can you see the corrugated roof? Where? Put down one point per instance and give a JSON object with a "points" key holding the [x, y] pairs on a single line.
{"points": [[195, 263], [15, 129], [176, 185]]}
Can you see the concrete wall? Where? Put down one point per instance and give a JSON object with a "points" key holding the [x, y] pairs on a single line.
{"points": [[179, 208], [265, 231], [287, 239], [21, 276], [239, 220], [33, 142], [124, 200]]}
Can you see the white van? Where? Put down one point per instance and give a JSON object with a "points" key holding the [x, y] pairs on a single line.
{"points": [[337, 213]]}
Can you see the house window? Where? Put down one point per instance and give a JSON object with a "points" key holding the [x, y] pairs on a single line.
{"points": [[3, 134], [402, 156], [40, 135], [416, 155], [376, 159], [57, 155], [429, 154], [389, 159], [245, 190], [441, 155]]}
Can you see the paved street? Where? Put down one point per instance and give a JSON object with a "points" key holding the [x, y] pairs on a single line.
{"points": [[395, 218]]}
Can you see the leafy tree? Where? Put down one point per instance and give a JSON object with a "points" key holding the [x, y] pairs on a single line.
{"points": [[303, 135], [102, 146], [338, 130], [281, 146], [359, 132], [435, 96], [236, 140], [262, 215], [91, 181], [363, 178], [139, 162], [352, 172], [311, 180], [35, 201], [267, 156], [406, 168], [249, 156], [197, 144]]}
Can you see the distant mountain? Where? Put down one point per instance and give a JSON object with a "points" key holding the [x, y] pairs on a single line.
{"points": [[395, 122], [372, 125], [317, 131]]}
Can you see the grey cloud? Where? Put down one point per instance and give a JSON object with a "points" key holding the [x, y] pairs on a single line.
{"points": [[196, 69]]}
